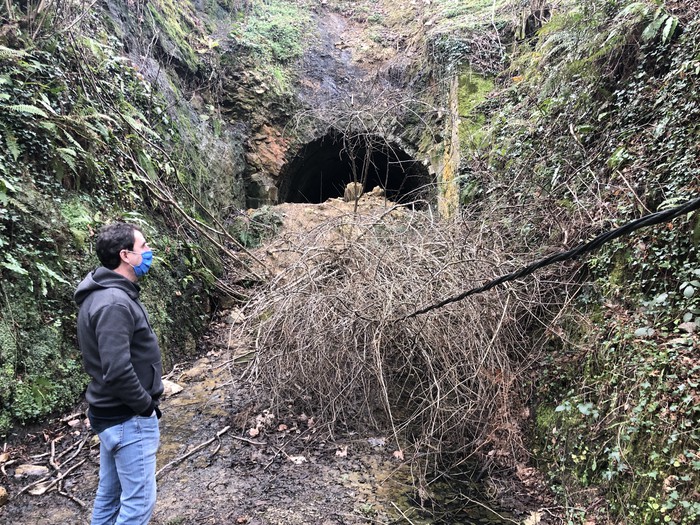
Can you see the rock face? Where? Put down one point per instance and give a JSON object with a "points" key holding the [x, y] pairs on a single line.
{"points": [[353, 191], [329, 125]]}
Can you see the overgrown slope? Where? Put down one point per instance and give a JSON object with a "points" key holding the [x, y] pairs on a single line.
{"points": [[118, 113], [595, 123], [574, 117]]}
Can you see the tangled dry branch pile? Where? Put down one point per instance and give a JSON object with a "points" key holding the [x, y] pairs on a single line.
{"points": [[331, 338]]}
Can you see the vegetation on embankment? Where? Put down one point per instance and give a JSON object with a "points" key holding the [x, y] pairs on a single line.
{"points": [[82, 132], [116, 114], [591, 123], [594, 123]]}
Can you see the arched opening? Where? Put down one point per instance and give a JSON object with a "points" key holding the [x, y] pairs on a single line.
{"points": [[323, 168]]}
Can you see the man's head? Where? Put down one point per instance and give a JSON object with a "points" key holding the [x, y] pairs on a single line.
{"points": [[120, 247]]}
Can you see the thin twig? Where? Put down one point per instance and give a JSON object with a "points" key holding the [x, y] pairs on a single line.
{"points": [[489, 509], [204, 445], [54, 481], [402, 513]]}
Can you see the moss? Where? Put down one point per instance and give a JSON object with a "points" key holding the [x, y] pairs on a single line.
{"points": [[277, 31], [49, 226], [49, 378], [545, 417], [8, 361], [77, 214], [8, 345], [175, 297], [170, 18], [455, 15], [5, 424], [473, 90]]}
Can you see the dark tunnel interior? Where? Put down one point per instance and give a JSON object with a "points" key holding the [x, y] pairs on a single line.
{"points": [[323, 168]]}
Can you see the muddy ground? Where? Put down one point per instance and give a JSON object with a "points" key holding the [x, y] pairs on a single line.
{"points": [[214, 470]]}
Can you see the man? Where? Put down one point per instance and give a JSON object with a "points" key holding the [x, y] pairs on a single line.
{"points": [[122, 357]]}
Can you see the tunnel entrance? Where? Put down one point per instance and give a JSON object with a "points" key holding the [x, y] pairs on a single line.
{"points": [[323, 168]]}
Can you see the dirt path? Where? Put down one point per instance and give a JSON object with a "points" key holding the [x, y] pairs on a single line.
{"points": [[283, 475], [287, 474]]}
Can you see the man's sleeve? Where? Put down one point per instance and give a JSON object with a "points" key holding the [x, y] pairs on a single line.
{"points": [[114, 327]]}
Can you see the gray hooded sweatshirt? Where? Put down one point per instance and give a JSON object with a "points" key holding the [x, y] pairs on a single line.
{"points": [[120, 350]]}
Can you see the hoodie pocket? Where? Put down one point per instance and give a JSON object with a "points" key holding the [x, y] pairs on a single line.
{"points": [[157, 384]]}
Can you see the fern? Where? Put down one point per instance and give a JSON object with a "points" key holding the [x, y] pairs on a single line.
{"points": [[44, 101], [138, 126], [669, 29], [102, 130], [6, 186], [635, 9], [13, 265], [82, 127], [12, 145], [72, 140], [7, 54], [48, 272], [48, 126], [651, 30], [26, 108], [663, 24], [68, 156]]}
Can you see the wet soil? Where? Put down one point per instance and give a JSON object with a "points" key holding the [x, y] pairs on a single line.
{"points": [[214, 470]]}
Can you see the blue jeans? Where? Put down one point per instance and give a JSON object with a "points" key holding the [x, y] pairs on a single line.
{"points": [[126, 493]]}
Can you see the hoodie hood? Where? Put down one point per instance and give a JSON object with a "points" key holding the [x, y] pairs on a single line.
{"points": [[101, 279]]}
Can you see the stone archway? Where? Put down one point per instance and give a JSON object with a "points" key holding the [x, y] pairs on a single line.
{"points": [[323, 167]]}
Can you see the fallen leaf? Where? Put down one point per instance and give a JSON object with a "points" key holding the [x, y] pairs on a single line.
{"points": [[170, 388], [282, 428], [4, 457], [40, 488], [31, 470], [297, 460], [342, 452], [253, 432], [533, 519], [398, 454], [688, 327], [377, 442]]}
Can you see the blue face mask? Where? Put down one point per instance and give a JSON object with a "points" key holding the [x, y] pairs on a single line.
{"points": [[146, 260]]}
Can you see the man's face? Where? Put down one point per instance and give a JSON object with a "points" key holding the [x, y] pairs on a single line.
{"points": [[133, 258]]}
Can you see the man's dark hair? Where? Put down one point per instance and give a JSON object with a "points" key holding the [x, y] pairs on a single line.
{"points": [[112, 239]]}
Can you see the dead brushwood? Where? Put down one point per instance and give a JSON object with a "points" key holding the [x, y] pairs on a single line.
{"points": [[332, 338]]}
